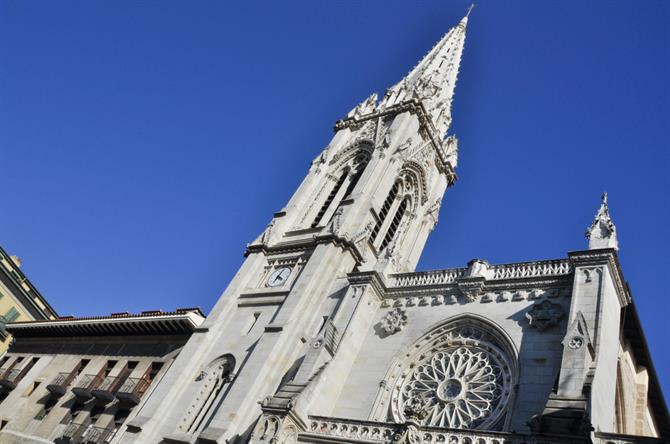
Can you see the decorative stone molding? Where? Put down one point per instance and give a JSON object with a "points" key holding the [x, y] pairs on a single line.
{"points": [[394, 321], [273, 429], [471, 288], [349, 430], [365, 107], [544, 315], [429, 299]]}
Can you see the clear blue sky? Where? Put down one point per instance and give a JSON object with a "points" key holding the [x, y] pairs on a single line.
{"points": [[143, 144]]}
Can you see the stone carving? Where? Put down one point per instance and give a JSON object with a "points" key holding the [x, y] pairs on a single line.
{"points": [[545, 315], [602, 232], [450, 148], [273, 429], [464, 383], [578, 334], [575, 342], [458, 395], [471, 289], [336, 221], [373, 432], [394, 321], [451, 297], [365, 107]]}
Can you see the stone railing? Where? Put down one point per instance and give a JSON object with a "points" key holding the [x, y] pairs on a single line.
{"points": [[505, 271], [367, 431], [322, 430], [532, 269], [420, 278]]}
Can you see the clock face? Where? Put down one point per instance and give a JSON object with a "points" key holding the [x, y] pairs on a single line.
{"points": [[279, 277]]}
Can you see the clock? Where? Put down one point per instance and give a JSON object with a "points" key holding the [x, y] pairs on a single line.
{"points": [[278, 277]]}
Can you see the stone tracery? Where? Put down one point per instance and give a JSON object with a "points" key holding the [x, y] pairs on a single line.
{"points": [[462, 372]]}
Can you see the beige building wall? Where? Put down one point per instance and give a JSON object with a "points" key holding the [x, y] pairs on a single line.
{"points": [[19, 299]]}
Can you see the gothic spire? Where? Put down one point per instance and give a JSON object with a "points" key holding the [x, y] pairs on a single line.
{"points": [[433, 80], [602, 232]]}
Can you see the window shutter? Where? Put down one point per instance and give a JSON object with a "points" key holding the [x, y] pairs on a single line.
{"points": [[12, 314]]}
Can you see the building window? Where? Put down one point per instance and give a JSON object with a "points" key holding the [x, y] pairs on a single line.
{"points": [[11, 315], [330, 198], [381, 217], [395, 223], [351, 172]]}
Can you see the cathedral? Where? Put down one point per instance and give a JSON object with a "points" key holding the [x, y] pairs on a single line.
{"points": [[328, 335]]}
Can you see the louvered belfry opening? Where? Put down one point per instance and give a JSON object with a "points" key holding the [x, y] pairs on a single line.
{"points": [[330, 198], [384, 211], [393, 228]]}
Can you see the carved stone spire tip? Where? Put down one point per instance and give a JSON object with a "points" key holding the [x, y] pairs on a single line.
{"points": [[602, 232]]}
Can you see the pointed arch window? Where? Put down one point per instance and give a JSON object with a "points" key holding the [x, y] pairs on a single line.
{"points": [[395, 223], [393, 212], [384, 211], [329, 200], [343, 187]]}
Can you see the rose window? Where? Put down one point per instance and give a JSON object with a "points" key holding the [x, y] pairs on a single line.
{"points": [[463, 383]]}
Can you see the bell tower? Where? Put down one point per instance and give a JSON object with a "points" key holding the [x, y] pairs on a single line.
{"points": [[367, 204]]}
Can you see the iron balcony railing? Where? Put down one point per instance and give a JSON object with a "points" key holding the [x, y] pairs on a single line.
{"points": [[89, 382], [111, 383], [106, 390], [61, 382], [86, 384], [132, 389]]}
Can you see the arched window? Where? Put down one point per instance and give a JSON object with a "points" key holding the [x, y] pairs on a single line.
{"points": [[330, 198], [384, 211], [343, 187], [394, 210], [459, 374], [395, 222]]}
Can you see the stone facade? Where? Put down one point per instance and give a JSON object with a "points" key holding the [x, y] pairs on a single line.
{"points": [[327, 334]]}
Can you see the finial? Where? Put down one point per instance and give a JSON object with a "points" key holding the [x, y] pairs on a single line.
{"points": [[469, 10], [602, 232]]}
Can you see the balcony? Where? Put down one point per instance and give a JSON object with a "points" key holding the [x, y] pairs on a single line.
{"points": [[10, 378], [59, 385], [132, 390], [105, 391], [84, 388]]}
